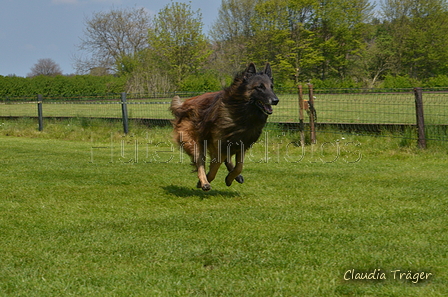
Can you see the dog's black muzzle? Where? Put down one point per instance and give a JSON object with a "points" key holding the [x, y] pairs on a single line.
{"points": [[274, 101]]}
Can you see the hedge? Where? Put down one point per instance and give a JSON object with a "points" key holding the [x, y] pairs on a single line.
{"points": [[13, 86]]}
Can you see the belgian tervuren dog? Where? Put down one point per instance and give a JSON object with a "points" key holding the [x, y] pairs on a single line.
{"points": [[224, 123]]}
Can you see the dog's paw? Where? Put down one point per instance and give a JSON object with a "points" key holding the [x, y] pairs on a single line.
{"points": [[205, 187], [228, 181], [239, 179]]}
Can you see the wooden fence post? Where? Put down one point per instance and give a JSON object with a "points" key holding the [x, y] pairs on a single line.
{"points": [[39, 112], [124, 112], [420, 117], [301, 124], [312, 113]]}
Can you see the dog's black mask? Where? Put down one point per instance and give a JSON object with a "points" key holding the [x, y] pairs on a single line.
{"points": [[261, 88]]}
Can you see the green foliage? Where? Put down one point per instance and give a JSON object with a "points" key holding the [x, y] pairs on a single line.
{"points": [[281, 37], [60, 85], [340, 40], [419, 30], [335, 83], [308, 39], [400, 82], [207, 81], [177, 44], [437, 81]]}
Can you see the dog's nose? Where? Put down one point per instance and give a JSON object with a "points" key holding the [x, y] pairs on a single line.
{"points": [[274, 101]]}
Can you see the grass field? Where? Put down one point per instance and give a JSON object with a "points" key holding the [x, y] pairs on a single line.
{"points": [[375, 108], [87, 211]]}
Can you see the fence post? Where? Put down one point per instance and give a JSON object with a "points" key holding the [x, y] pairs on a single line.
{"points": [[124, 112], [39, 112], [301, 124], [312, 113], [420, 117]]}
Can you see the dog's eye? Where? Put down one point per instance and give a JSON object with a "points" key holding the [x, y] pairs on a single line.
{"points": [[260, 87]]}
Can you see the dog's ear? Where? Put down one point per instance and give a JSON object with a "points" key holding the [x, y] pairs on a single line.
{"points": [[268, 71], [250, 70]]}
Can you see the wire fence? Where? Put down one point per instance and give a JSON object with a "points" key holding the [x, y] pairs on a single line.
{"points": [[351, 110]]}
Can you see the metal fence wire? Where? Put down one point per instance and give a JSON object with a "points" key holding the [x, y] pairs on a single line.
{"points": [[363, 111]]}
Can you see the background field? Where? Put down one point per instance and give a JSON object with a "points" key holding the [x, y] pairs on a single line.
{"points": [[367, 108], [87, 211]]}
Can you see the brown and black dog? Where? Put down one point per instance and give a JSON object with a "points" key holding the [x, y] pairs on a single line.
{"points": [[224, 123]]}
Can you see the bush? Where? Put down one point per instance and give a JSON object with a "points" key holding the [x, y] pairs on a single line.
{"points": [[60, 85], [206, 81], [437, 81], [335, 83], [400, 82]]}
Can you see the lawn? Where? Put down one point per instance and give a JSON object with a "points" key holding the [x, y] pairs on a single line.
{"points": [[87, 211]]}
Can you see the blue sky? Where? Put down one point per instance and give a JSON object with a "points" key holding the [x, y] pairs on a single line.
{"points": [[36, 29]]}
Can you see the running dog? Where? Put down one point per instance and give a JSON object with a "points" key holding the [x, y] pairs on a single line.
{"points": [[224, 123]]}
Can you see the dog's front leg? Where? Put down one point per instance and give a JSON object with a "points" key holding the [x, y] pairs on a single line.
{"points": [[235, 172], [214, 166], [230, 168]]}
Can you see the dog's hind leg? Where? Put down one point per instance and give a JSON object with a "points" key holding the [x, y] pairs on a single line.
{"points": [[199, 160], [203, 183], [234, 174], [197, 153], [214, 166]]}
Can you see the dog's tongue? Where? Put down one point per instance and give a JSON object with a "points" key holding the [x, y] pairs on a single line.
{"points": [[265, 108], [268, 108]]}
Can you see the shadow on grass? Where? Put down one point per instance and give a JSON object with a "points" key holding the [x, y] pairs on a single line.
{"points": [[185, 192]]}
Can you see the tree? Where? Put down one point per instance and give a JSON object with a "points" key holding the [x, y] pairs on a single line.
{"points": [[419, 29], [234, 20], [283, 28], [303, 39], [149, 76], [340, 27], [231, 34], [46, 67], [177, 43], [112, 39], [376, 59]]}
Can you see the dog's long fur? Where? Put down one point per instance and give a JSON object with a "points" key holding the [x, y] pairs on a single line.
{"points": [[224, 123]]}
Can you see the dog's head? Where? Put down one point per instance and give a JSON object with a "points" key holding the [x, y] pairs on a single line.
{"points": [[259, 88]]}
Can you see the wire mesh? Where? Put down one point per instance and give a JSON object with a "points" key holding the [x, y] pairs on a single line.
{"points": [[354, 109], [435, 107]]}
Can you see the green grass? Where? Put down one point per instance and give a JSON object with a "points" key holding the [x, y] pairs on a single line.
{"points": [[139, 227]]}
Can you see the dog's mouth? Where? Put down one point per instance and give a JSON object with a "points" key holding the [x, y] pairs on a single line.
{"points": [[265, 108]]}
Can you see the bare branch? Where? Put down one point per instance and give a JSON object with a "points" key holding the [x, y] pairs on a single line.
{"points": [[111, 36], [45, 67]]}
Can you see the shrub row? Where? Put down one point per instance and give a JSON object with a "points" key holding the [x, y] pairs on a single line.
{"points": [[77, 85], [60, 85]]}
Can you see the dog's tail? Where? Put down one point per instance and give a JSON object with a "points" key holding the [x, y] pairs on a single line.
{"points": [[176, 103]]}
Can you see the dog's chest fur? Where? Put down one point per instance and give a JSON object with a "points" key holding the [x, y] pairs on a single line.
{"points": [[241, 124]]}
